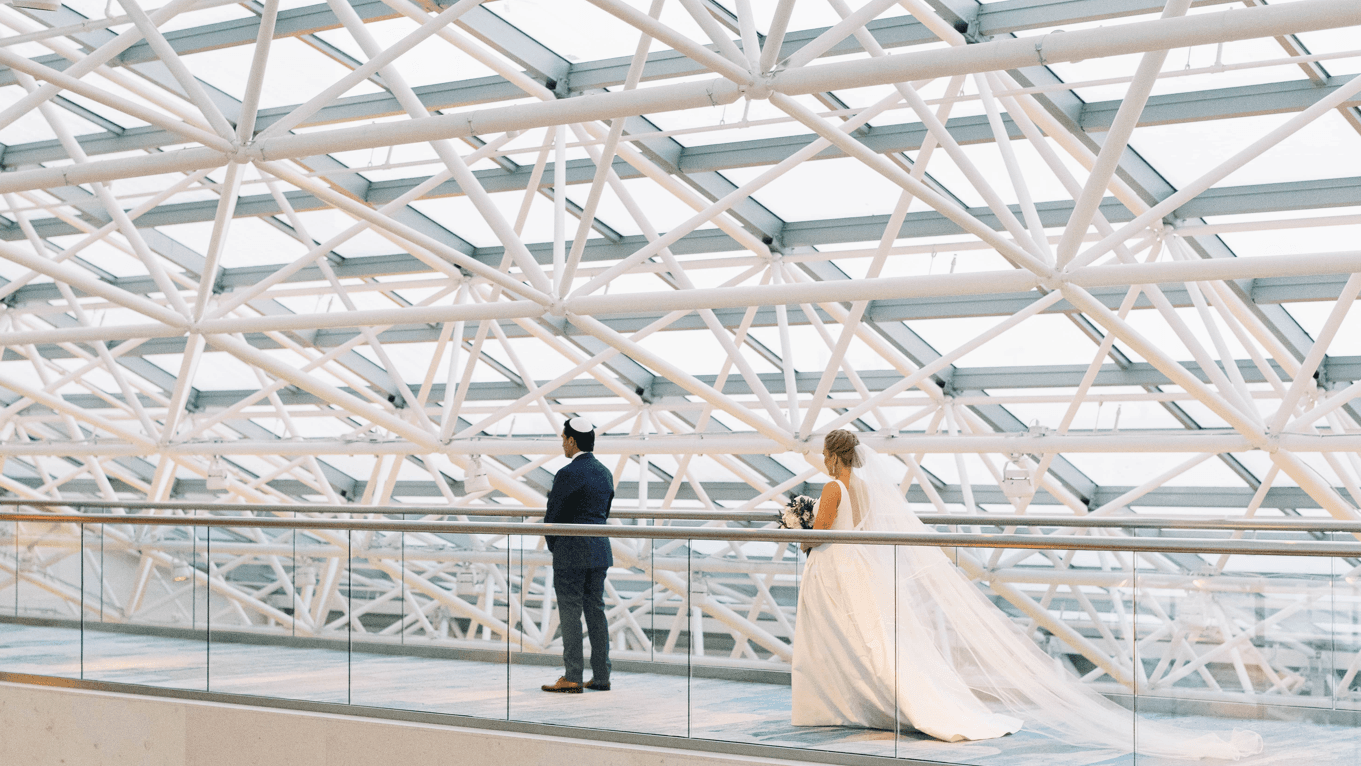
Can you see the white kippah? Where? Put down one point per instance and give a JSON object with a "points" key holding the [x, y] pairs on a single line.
{"points": [[581, 425]]}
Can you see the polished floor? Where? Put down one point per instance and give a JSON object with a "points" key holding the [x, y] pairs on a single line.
{"points": [[709, 708]]}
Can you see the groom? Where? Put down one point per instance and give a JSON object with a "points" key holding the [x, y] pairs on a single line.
{"points": [[582, 493]]}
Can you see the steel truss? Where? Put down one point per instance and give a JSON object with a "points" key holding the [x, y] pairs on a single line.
{"points": [[376, 378]]}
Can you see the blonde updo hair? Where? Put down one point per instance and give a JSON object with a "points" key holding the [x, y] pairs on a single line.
{"points": [[841, 444]]}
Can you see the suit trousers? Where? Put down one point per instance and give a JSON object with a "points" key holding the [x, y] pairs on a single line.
{"points": [[578, 591]]}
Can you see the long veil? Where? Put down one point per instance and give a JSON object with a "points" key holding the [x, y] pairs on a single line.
{"points": [[991, 653]]}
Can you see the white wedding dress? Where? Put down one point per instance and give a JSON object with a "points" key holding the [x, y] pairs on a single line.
{"points": [[890, 635]]}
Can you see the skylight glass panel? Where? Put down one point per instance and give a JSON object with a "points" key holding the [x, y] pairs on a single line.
{"points": [[224, 372], [1326, 148], [834, 188], [1334, 42], [1312, 316], [577, 32], [1095, 413], [459, 215], [1064, 343], [33, 126], [432, 61], [196, 19], [1119, 470], [305, 72]]}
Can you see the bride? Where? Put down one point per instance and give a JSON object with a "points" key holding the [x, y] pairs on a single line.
{"points": [[897, 634]]}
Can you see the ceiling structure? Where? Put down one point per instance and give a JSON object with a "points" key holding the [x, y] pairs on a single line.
{"points": [[335, 251], [1090, 257]]}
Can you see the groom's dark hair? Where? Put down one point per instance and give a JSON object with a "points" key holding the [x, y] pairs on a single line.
{"points": [[585, 439]]}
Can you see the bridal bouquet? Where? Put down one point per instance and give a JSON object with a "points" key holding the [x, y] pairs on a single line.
{"points": [[799, 513]]}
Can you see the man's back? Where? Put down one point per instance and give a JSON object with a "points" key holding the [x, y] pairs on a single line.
{"points": [[582, 493]]}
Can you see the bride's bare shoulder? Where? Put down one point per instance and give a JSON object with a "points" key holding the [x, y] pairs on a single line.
{"points": [[831, 490]]}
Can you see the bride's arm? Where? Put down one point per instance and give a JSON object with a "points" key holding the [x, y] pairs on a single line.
{"points": [[827, 505]]}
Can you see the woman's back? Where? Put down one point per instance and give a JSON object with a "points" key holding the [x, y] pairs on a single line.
{"points": [[850, 510]]}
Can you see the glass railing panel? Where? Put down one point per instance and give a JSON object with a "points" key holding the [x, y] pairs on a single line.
{"points": [[1344, 676], [744, 600], [648, 651], [442, 645], [1241, 649], [43, 633], [10, 631], [1012, 654], [127, 617], [532, 657], [279, 610], [652, 643], [384, 670], [535, 654], [1103, 656]]}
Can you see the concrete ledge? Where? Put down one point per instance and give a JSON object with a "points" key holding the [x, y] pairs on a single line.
{"points": [[61, 723]]}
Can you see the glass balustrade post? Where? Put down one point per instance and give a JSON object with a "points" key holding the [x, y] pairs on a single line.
{"points": [[15, 569], [10, 630], [349, 616], [694, 638], [897, 653], [80, 554], [1345, 674], [208, 603], [400, 584], [1139, 676], [520, 657], [524, 649], [190, 578], [514, 610]]}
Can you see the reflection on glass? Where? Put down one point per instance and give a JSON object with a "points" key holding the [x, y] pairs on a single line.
{"points": [[135, 616], [743, 619], [534, 657], [1104, 656], [985, 659], [10, 630], [1344, 672], [44, 637], [1247, 646], [427, 616], [647, 647], [264, 637]]}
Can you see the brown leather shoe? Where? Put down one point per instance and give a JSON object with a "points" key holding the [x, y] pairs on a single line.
{"points": [[600, 686], [563, 686]]}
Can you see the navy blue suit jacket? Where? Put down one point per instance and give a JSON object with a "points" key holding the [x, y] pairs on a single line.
{"points": [[582, 493]]}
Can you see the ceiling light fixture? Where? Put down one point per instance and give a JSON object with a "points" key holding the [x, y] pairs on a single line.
{"points": [[181, 571], [476, 481], [217, 476]]}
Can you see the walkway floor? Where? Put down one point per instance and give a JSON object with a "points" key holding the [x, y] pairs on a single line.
{"points": [[737, 711]]}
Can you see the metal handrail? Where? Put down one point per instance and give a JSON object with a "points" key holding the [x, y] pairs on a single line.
{"points": [[382, 510], [729, 534], [960, 520]]}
